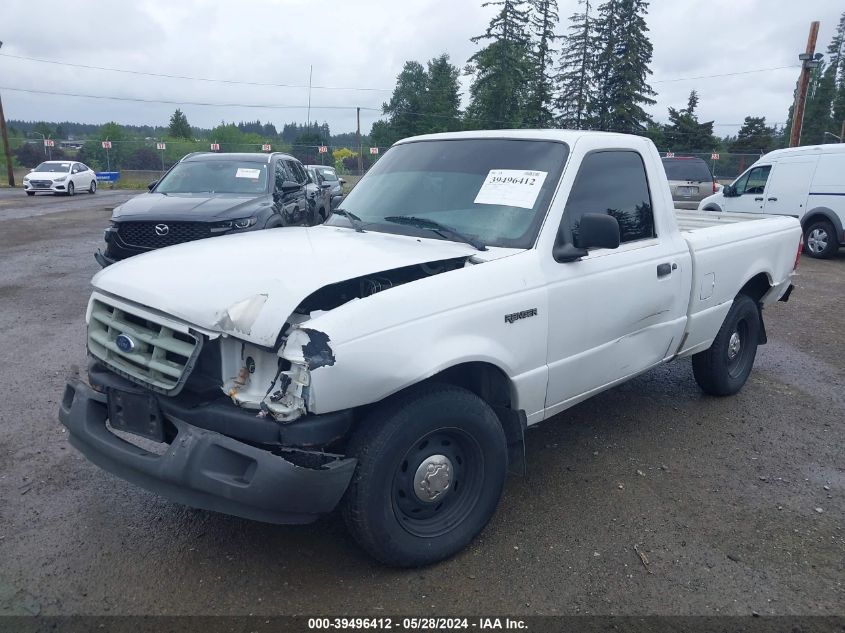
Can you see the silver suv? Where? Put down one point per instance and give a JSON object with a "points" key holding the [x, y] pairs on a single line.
{"points": [[689, 179]]}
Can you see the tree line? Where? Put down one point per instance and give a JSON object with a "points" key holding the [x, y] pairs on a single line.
{"points": [[594, 76], [134, 147]]}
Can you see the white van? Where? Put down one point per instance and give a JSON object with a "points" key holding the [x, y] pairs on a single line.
{"points": [[807, 183]]}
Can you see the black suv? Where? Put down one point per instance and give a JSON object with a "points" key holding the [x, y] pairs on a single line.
{"points": [[209, 194]]}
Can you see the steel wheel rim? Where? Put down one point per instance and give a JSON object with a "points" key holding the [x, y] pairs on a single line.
{"points": [[739, 350], [817, 240], [432, 518]]}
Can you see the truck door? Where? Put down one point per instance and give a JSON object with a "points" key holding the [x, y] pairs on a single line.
{"points": [[789, 184], [750, 191], [616, 312]]}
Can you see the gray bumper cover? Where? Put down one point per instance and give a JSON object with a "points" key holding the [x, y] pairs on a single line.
{"points": [[204, 469]]}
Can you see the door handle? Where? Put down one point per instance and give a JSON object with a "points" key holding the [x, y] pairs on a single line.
{"points": [[664, 269], [773, 199], [759, 199]]}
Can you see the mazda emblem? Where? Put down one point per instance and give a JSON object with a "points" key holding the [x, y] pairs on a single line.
{"points": [[162, 229]]}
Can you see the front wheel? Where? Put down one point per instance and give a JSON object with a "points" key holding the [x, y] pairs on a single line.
{"points": [[70, 189], [723, 369], [431, 466], [92, 188], [30, 193], [820, 239]]}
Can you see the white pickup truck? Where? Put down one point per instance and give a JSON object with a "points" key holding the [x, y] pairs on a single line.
{"points": [[390, 360]]}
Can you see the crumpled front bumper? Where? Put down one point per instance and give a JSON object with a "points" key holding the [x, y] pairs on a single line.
{"points": [[205, 469]]}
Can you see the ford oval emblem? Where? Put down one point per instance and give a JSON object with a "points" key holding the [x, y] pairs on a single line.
{"points": [[124, 343]]}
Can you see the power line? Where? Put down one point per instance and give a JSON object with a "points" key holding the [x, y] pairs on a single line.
{"points": [[207, 79], [358, 88], [739, 72], [194, 103]]}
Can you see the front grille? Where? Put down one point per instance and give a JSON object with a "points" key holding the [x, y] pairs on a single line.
{"points": [[144, 234], [41, 184], [162, 357]]}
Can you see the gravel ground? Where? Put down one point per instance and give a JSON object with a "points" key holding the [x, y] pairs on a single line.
{"points": [[736, 503]]}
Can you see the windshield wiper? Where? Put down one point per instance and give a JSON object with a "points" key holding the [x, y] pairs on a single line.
{"points": [[356, 222], [437, 227]]}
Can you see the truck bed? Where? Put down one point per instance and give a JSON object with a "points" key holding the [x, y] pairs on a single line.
{"points": [[727, 250], [693, 220]]}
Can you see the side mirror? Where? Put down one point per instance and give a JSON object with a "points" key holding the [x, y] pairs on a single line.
{"points": [[326, 185], [729, 191], [152, 185], [290, 185], [336, 200], [341, 181], [596, 230]]}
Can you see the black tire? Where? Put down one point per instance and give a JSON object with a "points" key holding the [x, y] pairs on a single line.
{"points": [[381, 508], [70, 189], [723, 369], [820, 239], [92, 188], [30, 193]]}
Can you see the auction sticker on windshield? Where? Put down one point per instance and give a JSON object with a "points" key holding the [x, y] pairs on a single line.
{"points": [[243, 172], [511, 187]]}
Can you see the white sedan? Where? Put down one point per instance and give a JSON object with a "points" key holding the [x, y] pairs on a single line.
{"points": [[60, 176]]}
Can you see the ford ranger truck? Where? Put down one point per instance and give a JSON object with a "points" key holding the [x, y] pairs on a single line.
{"points": [[388, 362]]}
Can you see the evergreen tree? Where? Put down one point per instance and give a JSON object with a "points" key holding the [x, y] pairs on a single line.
{"points": [[753, 137], [406, 105], [818, 117], [836, 50], [574, 77], [502, 69], [544, 20], [179, 126], [622, 67], [442, 111], [684, 133]]}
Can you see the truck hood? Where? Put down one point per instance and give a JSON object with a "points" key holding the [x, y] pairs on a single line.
{"points": [[188, 206], [248, 285]]}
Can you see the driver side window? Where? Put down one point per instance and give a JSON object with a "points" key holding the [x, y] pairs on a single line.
{"points": [[754, 181]]}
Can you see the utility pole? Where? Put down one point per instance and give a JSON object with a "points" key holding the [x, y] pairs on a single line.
{"points": [[360, 148], [809, 61], [10, 174]]}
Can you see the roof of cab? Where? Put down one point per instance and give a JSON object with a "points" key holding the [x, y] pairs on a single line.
{"points": [[567, 136]]}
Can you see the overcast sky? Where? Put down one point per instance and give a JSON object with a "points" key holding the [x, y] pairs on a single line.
{"points": [[359, 44]]}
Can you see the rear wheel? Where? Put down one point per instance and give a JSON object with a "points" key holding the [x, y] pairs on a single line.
{"points": [[70, 189], [431, 466], [92, 188], [820, 239], [723, 369]]}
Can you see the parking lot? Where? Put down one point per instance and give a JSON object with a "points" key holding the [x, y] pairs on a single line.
{"points": [[651, 498]]}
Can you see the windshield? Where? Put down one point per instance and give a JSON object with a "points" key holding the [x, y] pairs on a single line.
{"points": [[686, 169], [215, 176], [54, 167], [495, 190], [327, 174]]}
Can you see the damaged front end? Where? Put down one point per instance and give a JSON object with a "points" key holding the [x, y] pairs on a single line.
{"points": [[279, 384]]}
